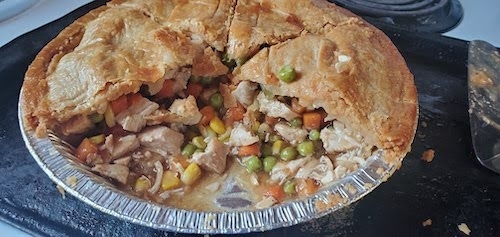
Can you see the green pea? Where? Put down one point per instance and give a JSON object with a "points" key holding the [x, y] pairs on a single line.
{"points": [[287, 74], [253, 164], [199, 142], [305, 148], [314, 135], [289, 153], [96, 117], [289, 187], [266, 150], [296, 122], [206, 80], [188, 150], [216, 100], [269, 162]]}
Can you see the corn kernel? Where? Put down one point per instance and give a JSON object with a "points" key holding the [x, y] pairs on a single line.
{"points": [[109, 117], [255, 126], [225, 136], [142, 184], [191, 174], [170, 180], [199, 142], [97, 139], [217, 125], [277, 146]]}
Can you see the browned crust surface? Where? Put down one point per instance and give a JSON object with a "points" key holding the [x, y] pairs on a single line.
{"points": [[375, 92], [36, 111]]}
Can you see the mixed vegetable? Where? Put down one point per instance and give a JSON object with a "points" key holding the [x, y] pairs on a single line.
{"points": [[162, 142]]}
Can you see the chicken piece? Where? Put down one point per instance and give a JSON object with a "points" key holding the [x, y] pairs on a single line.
{"points": [[284, 170], [133, 123], [123, 160], [162, 140], [229, 99], [241, 136], [117, 172], [275, 108], [182, 111], [214, 157], [305, 170], [180, 78], [133, 118], [187, 110], [251, 28], [117, 148], [337, 138], [159, 174], [245, 93], [323, 172], [292, 135]]}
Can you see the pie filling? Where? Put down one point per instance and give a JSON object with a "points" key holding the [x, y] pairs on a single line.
{"points": [[179, 139]]}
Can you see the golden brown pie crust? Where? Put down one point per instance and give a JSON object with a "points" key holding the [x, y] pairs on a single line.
{"points": [[372, 93]]}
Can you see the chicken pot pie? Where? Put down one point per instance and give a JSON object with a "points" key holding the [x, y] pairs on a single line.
{"points": [[213, 104]]}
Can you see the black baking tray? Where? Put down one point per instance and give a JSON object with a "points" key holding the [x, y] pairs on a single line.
{"points": [[452, 189]]}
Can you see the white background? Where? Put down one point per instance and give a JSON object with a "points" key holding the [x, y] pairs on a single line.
{"points": [[481, 21]]}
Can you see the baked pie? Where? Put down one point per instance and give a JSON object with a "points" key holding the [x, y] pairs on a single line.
{"points": [[213, 104]]}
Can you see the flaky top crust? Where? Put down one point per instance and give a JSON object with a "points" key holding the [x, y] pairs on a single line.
{"points": [[115, 49]]}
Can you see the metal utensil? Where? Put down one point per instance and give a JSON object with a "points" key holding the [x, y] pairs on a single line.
{"points": [[484, 102]]}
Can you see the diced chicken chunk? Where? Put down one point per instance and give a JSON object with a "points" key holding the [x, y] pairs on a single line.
{"points": [[162, 139], [123, 161], [186, 110], [179, 77], [283, 170], [323, 172], [159, 175], [245, 93], [133, 123], [337, 138], [214, 157], [241, 136], [275, 108], [115, 171], [226, 92], [132, 119], [117, 148], [293, 135]]}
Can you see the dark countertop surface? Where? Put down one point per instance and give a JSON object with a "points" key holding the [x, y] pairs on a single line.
{"points": [[452, 189]]}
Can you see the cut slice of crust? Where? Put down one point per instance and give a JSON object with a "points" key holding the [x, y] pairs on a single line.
{"points": [[376, 99]]}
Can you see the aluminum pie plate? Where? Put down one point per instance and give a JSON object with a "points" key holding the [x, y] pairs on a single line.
{"points": [[54, 157]]}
